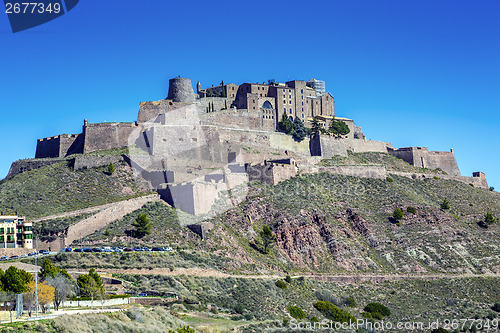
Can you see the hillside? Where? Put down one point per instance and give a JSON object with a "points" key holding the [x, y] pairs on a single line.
{"points": [[57, 188], [332, 223]]}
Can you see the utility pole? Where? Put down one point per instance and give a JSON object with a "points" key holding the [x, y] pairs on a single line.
{"points": [[36, 276]]}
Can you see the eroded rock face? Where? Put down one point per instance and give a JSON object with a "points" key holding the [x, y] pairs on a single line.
{"points": [[429, 241]]}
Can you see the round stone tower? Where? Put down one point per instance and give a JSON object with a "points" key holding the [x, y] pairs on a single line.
{"points": [[180, 90]]}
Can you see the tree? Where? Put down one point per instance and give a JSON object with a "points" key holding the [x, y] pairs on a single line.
{"points": [[398, 214], [267, 238], [285, 125], [88, 287], [142, 226], [445, 204], [111, 168], [16, 280], [338, 128], [45, 295], [492, 188], [49, 270], [316, 126], [299, 130], [63, 287]]}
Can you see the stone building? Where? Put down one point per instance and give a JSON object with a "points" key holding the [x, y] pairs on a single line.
{"points": [[15, 232]]}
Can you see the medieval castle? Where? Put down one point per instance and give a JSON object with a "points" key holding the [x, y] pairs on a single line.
{"points": [[191, 146]]}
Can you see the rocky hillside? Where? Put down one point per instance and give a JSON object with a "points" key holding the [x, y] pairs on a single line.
{"points": [[340, 224]]}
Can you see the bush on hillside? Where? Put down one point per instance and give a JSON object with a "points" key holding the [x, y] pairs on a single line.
{"points": [[296, 312]]}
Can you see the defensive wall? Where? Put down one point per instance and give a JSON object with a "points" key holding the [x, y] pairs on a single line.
{"points": [[59, 146], [423, 158], [21, 166], [478, 179], [104, 136]]}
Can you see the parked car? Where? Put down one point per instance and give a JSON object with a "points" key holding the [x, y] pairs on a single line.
{"points": [[78, 250], [87, 249], [167, 249], [138, 249], [68, 249], [143, 294], [23, 255], [96, 249], [156, 249], [128, 249], [147, 249], [14, 257], [31, 254], [117, 249], [4, 258], [43, 252]]}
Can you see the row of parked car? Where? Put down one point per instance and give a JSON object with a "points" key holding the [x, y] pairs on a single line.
{"points": [[31, 254], [117, 249]]}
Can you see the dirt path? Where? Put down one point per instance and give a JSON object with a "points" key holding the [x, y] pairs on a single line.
{"points": [[345, 278]]}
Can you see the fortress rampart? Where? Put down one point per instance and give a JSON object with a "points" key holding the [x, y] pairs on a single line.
{"points": [[423, 158]]}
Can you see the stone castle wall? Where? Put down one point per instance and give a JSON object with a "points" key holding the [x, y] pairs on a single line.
{"points": [[107, 136], [21, 166], [423, 158]]}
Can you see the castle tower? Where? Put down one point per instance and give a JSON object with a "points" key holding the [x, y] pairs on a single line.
{"points": [[198, 87], [180, 90]]}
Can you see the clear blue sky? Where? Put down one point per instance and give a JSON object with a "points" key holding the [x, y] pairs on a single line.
{"points": [[414, 73]]}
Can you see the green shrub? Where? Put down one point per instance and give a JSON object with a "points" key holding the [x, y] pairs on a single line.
{"points": [[439, 330], [281, 284], [377, 308], [367, 315], [445, 204], [288, 279], [331, 312], [489, 218], [314, 319], [296, 312], [239, 308], [389, 179], [411, 210], [350, 302], [496, 307], [376, 315], [436, 177], [397, 214]]}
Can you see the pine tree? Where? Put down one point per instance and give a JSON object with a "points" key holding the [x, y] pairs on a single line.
{"points": [[299, 130], [316, 126], [285, 125], [111, 168], [267, 238], [142, 226], [338, 128]]}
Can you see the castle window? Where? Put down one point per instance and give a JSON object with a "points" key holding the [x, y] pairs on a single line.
{"points": [[253, 101], [302, 115], [302, 103], [290, 101], [302, 97], [290, 111], [301, 91], [284, 102], [254, 107], [289, 96], [232, 88]]}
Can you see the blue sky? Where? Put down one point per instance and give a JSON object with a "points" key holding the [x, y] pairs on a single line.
{"points": [[414, 73]]}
